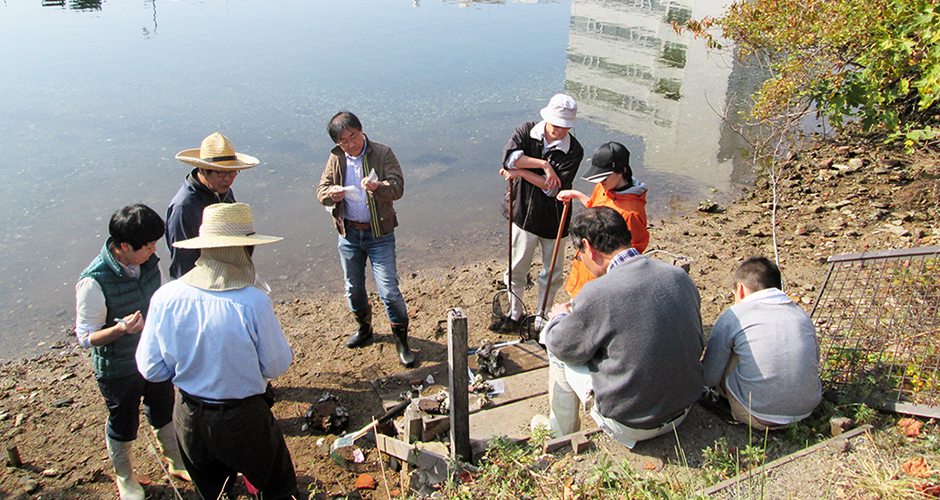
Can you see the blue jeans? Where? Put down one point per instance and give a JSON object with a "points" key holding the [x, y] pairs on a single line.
{"points": [[353, 251]]}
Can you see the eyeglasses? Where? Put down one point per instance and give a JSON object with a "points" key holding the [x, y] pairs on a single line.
{"points": [[353, 135], [577, 256], [222, 173]]}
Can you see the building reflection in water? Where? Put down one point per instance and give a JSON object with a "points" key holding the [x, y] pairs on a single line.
{"points": [[660, 93]]}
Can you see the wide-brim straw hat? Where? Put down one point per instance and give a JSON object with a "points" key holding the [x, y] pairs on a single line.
{"points": [[562, 111], [227, 225], [217, 153]]}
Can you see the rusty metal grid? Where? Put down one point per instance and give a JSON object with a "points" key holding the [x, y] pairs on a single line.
{"points": [[878, 321]]}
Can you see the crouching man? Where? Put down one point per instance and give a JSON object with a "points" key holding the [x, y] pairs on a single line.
{"points": [[629, 346], [213, 332], [763, 355]]}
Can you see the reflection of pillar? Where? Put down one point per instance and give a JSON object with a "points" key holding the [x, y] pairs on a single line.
{"points": [[85, 4], [631, 72]]}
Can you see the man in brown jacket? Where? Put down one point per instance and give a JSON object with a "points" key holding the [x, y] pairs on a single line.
{"points": [[361, 180]]}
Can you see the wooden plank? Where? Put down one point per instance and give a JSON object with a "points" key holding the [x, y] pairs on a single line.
{"points": [[518, 358], [578, 441], [780, 461], [517, 387], [435, 465], [457, 383]]}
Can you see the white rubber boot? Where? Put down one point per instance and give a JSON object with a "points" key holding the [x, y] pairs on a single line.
{"points": [[565, 416], [166, 436], [125, 477]]}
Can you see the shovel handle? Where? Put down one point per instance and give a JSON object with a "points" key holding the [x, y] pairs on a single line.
{"points": [[551, 269]]}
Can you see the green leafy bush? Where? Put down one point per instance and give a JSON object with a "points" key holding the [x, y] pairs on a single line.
{"points": [[875, 61]]}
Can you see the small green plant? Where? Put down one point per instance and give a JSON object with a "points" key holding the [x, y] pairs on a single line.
{"points": [[722, 461]]}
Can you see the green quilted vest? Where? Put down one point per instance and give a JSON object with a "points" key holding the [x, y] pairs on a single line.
{"points": [[122, 295]]}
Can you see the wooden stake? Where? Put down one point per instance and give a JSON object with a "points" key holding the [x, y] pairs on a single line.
{"points": [[13, 453], [458, 383]]}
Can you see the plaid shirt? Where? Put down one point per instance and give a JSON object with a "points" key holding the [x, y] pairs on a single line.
{"points": [[622, 257]]}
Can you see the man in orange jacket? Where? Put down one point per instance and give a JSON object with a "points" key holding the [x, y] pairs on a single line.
{"points": [[616, 188]]}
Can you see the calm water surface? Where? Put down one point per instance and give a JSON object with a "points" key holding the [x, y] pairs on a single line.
{"points": [[97, 98]]}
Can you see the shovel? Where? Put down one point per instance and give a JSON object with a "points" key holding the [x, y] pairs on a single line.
{"points": [[531, 325], [350, 438]]}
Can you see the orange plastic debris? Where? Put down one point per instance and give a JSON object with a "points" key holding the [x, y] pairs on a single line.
{"points": [[365, 482]]}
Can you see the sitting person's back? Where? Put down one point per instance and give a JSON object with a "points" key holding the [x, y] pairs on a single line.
{"points": [[763, 354], [631, 341]]}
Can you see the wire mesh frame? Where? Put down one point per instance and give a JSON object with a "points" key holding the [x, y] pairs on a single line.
{"points": [[878, 321]]}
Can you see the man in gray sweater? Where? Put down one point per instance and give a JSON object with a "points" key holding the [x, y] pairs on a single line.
{"points": [[630, 345], [763, 355]]}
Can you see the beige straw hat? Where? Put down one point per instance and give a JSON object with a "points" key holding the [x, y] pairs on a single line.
{"points": [[217, 153], [227, 225]]}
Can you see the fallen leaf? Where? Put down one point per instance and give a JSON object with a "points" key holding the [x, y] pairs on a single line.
{"points": [[917, 467], [910, 426], [568, 493], [649, 466]]}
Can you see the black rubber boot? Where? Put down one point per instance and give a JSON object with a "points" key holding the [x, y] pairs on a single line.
{"points": [[400, 332], [364, 332]]}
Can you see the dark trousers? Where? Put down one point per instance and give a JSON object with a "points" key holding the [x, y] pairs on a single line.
{"points": [[122, 396], [218, 441]]}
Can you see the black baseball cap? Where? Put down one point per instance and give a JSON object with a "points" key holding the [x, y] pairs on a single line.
{"points": [[609, 158]]}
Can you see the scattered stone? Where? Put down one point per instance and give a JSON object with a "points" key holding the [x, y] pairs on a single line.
{"points": [[897, 230], [30, 486], [62, 402], [710, 207], [856, 164], [18, 421], [838, 205], [838, 425], [50, 472], [889, 163]]}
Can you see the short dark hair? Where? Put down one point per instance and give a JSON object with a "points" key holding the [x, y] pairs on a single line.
{"points": [[758, 273], [603, 227], [137, 225], [340, 122]]}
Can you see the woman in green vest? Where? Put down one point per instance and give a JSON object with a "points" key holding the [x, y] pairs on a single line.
{"points": [[111, 298]]}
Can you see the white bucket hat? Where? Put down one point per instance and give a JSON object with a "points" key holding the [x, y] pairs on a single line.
{"points": [[561, 111], [217, 153], [227, 225]]}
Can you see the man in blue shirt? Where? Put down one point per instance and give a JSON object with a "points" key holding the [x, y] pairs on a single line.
{"points": [[213, 332]]}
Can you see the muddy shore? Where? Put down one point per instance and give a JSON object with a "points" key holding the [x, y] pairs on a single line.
{"points": [[838, 196]]}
